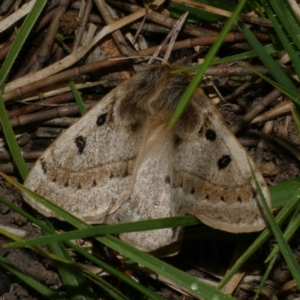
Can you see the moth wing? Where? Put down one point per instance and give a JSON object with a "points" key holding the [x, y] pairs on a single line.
{"points": [[151, 198], [212, 178], [89, 166]]}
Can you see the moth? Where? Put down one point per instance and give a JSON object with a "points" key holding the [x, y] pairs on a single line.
{"points": [[122, 163]]}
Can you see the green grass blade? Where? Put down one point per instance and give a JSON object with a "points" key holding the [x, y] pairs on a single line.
{"points": [[98, 262], [272, 48], [209, 57], [11, 140], [282, 243], [20, 40], [280, 194], [37, 286], [193, 285], [70, 278], [68, 268], [92, 258], [282, 215], [296, 117], [287, 28], [283, 192], [291, 229], [277, 73], [56, 209], [199, 15], [108, 229], [265, 277], [75, 283], [283, 19], [290, 94], [78, 99], [6, 67], [73, 274]]}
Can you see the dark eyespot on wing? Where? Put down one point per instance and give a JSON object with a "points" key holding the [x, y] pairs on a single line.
{"points": [[224, 161], [101, 119], [177, 140], [239, 199], [79, 186], [126, 173], [111, 176], [66, 183], [207, 197], [200, 130], [254, 194], [94, 183], [222, 199], [134, 127], [44, 166], [168, 179], [54, 179], [80, 143], [193, 191], [210, 135]]}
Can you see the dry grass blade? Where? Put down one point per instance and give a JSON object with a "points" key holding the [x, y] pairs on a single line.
{"points": [[81, 41], [74, 57], [19, 14], [281, 109]]}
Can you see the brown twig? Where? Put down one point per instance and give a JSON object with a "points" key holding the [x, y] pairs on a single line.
{"points": [[80, 30], [225, 13], [30, 108], [200, 41], [75, 72], [60, 111], [240, 89], [44, 51], [28, 155], [191, 30], [117, 35], [254, 111]]}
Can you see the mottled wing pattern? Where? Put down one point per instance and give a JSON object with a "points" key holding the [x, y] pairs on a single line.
{"points": [[121, 161], [150, 199], [212, 178], [90, 165]]}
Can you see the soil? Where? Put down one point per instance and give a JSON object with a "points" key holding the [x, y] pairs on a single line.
{"points": [[206, 258], [203, 258]]}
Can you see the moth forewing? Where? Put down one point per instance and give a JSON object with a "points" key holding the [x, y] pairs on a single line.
{"points": [[215, 179], [120, 161]]}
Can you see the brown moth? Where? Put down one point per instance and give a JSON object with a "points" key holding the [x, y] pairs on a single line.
{"points": [[121, 163]]}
